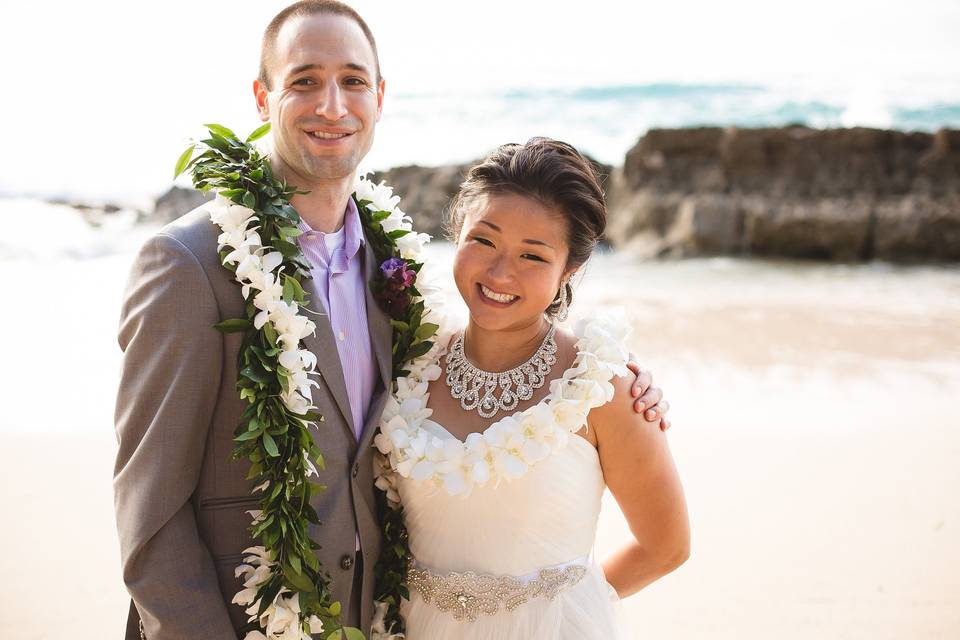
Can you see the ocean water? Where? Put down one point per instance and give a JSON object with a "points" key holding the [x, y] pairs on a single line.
{"points": [[441, 127], [605, 121]]}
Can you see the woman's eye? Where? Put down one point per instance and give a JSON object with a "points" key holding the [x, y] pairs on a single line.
{"points": [[530, 256], [482, 241]]}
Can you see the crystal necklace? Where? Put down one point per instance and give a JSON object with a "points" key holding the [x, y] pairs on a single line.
{"points": [[475, 388]]}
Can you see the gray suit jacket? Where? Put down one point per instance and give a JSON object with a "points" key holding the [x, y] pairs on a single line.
{"points": [[180, 499]]}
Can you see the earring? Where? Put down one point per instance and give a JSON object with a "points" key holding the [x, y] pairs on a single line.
{"points": [[563, 310]]}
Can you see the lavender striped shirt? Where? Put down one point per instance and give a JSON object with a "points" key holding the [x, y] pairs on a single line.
{"points": [[339, 280]]}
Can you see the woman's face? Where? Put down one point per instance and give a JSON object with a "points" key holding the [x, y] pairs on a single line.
{"points": [[511, 256]]}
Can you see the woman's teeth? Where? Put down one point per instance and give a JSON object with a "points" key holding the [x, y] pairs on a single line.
{"points": [[498, 297]]}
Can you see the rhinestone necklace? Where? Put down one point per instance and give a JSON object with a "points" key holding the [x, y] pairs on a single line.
{"points": [[475, 388]]}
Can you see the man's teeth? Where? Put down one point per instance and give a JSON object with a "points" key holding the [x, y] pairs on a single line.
{"points": [[499, 297], [328, 136]]}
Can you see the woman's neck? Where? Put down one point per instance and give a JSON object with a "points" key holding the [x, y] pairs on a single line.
{"points": [[503, 349]]}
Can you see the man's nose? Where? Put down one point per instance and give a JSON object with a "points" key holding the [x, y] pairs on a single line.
{"points": [[331, 105]]}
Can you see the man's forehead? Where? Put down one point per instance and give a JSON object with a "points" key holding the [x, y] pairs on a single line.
{"points": [[323, 39]]}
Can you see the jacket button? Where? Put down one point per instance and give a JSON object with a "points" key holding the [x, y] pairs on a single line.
{"points": [[346, 562], [356, 469]]}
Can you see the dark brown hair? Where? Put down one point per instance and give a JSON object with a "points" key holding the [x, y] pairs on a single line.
{"points": [[551, 172], [309, 8]]}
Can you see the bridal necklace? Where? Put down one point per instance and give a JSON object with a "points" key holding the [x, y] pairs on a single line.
{"points": [[478, 389]]}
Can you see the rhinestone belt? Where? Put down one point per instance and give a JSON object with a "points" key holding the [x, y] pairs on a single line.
{"points": [[467, 595]]}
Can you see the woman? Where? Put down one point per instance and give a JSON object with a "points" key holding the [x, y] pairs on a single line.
{"points": [[502, 439]]}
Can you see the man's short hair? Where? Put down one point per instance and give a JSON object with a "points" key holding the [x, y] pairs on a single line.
{"points": [[309, 8]]}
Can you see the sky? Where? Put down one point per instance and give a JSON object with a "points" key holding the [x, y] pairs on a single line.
{"points": [[100, 97]]}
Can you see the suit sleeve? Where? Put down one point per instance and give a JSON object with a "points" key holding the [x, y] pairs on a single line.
{"points": [[170, 376]]}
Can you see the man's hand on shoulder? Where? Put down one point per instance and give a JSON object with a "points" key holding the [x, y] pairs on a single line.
{"points": [[648, 398]]}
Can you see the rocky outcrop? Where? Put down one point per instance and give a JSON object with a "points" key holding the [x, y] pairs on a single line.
{"points": [[838, 194], [428, 191], [177, 201]]}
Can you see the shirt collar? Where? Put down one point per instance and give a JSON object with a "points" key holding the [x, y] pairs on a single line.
{"points": [[352, 234]]}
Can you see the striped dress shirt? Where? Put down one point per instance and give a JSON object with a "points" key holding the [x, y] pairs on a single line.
{"points": [[339, 281]]}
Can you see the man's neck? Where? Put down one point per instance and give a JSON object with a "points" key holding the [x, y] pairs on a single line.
{"points": [[323, 208]]}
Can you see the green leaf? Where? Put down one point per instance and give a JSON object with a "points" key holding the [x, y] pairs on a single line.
{"points": [[270, 445], [298, 292], [256, 374], [399, 325], [353, 634], [221, 130], [247, 435], [249, 200], [335, 608], [233, 325], [418, 350], [259, 132], [426, 330], [183, 160], [289, 232]]}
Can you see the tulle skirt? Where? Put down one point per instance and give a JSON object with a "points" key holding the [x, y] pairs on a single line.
{"points": [[589, 610]]}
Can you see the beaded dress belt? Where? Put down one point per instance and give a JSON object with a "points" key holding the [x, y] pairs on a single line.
{"points": [[469, 594]]}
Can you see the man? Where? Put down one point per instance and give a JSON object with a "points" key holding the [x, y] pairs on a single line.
{"points": [[181, 503]]}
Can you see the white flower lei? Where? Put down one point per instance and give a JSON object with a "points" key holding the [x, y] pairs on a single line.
{"points": [[258, 271], [509, 446]]}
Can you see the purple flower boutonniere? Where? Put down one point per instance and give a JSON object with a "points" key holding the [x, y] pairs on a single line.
{"points": [[398, 279]]}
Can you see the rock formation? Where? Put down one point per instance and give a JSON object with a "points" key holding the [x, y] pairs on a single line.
{"points": [[836, 194]]}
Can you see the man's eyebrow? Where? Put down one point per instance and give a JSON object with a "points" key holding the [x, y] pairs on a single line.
{"points": [[526, 241], [311, 66]]}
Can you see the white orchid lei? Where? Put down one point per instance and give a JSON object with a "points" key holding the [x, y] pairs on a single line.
{"points": [[509, 447], [286, 591]]}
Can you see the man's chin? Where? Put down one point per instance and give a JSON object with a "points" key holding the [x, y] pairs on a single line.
{"points": [[332, 170]]}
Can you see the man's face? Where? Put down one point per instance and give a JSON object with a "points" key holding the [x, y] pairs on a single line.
{"points": [[324, 99]]}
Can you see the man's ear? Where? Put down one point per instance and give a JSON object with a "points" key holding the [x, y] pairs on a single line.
{"points": [[263, 105], [381, 87]]}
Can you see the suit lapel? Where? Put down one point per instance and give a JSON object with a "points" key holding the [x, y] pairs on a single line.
{"points": [[324, 346], [381, 333], [381, 337]]}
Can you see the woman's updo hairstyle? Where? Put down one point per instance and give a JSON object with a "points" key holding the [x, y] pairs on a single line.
{"points": [[551, 172]]}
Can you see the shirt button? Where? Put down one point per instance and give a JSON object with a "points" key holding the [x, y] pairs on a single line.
{"points": [[356, 469], [346, 562], [342, 336]]}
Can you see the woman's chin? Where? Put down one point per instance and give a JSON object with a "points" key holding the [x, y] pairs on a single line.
{"points": [[500, 319]]}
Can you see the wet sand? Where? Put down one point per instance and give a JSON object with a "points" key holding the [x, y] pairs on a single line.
{"points": [[816, 433]]}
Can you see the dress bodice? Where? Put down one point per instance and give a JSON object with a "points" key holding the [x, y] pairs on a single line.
{"points": [[546, 517], [500, 524]]}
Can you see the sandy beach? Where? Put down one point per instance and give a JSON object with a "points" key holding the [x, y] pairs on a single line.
{"points": [[816, 433]]}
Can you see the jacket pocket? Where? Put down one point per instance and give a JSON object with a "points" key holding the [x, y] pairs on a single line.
{"points": [[229, 503]]}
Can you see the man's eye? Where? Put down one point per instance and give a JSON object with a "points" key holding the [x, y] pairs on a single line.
{"points": [[303, 82], [355, 82]]}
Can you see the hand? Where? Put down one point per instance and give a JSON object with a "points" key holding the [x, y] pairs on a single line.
{"points": [[649, 399]]}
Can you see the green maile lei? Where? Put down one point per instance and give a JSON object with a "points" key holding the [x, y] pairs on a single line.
{"points": [[285, 587]]}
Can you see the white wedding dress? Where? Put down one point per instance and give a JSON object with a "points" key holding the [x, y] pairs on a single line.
{"points": [[502, 526]]}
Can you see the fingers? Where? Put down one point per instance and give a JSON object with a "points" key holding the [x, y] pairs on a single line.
{"points": [[649, 400], [643, 381], [664, 424], [659, 408]]}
